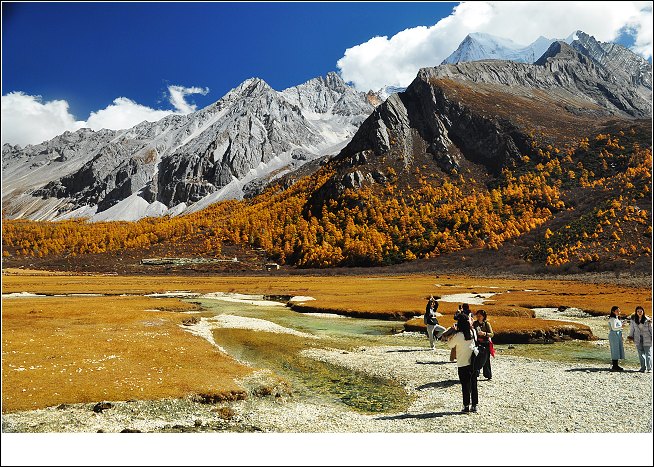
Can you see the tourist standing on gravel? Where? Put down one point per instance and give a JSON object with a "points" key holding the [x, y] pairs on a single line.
{"points": [[615, 338], [431, 321], [464, 343], [484, 334], [640, 331]]}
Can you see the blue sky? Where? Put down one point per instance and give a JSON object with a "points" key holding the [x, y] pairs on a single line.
{"points": [[112, 65], [89, 54]]}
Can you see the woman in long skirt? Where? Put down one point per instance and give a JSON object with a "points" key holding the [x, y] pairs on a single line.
{"points": [[615, 338]]}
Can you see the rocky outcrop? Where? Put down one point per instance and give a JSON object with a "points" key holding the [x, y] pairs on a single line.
{"points": [[621, 63]]}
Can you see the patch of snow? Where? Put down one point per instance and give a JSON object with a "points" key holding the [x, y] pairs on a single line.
{"points": [[203, 330], [21, 295], [470, 298], [326, 315], [256, 324], [131, 208], [300, 298], [256, 300], [82, 211], [176, 210], [178, 294]]}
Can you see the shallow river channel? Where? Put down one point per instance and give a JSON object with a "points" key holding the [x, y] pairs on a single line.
{"points": [[273, 336]]}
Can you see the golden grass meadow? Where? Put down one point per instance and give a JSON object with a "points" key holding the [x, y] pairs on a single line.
{"points": [[122, 345]]}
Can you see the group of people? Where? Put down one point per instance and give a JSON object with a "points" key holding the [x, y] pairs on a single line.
{"points": [[469, 333], [640, 332]]}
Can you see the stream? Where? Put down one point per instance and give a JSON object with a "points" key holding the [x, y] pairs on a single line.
{"points": [[273, 336]]}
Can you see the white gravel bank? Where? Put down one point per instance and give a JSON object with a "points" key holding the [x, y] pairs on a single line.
{"points": [[525, 396]]}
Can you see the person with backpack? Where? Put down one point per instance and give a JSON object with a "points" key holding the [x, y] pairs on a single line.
{"points": [[431, 321], [484, 334], [464, 343]]}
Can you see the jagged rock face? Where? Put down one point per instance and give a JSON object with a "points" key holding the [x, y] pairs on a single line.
{"points": [[621, 63], [482, 113], [328, 94], [446, 128], [562, 69], [121, 166], [616, 64], [256, 124], [251, 132], [584, 76]]}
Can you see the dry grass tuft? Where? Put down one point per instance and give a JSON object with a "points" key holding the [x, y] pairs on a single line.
{"points": [[226, 413]]}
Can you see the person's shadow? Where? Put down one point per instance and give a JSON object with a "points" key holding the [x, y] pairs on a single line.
{"points": [[599, 370], [420, 416], [440, 362], [438, 384]]}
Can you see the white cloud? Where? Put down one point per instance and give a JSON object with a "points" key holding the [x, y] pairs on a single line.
{"points": [[178, 97], [28, 120], [123, 113], [382, 61]]}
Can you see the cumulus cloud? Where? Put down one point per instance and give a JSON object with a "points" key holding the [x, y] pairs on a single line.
{"points": [[29, 120], [26, 119], [123, 113], [395, 61]]}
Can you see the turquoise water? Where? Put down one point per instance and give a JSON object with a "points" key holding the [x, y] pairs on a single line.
{"points": [[311, 378]]}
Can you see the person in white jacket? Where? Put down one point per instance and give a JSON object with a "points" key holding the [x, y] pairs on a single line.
{"points": [[640, 332], [464, 342]]}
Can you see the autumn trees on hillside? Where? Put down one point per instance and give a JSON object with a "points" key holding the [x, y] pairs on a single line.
{"points": [[383, 224]]}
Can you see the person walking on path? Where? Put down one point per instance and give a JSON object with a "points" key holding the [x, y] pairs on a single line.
{"points": [[464, 343], [431, 321], [484, 334], [640, 332], [615, 338]]}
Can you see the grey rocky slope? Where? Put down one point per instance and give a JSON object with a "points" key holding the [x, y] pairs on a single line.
{"points": [[163, 167], [482, 113], [621, 63]]}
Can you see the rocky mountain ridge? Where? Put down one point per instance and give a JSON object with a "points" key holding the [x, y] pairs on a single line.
{"points": [[254, 134], [162, 167], [482, 113]]}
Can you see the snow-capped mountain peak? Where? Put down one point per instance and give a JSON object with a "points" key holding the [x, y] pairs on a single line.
{"points": [[482, 46]]}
